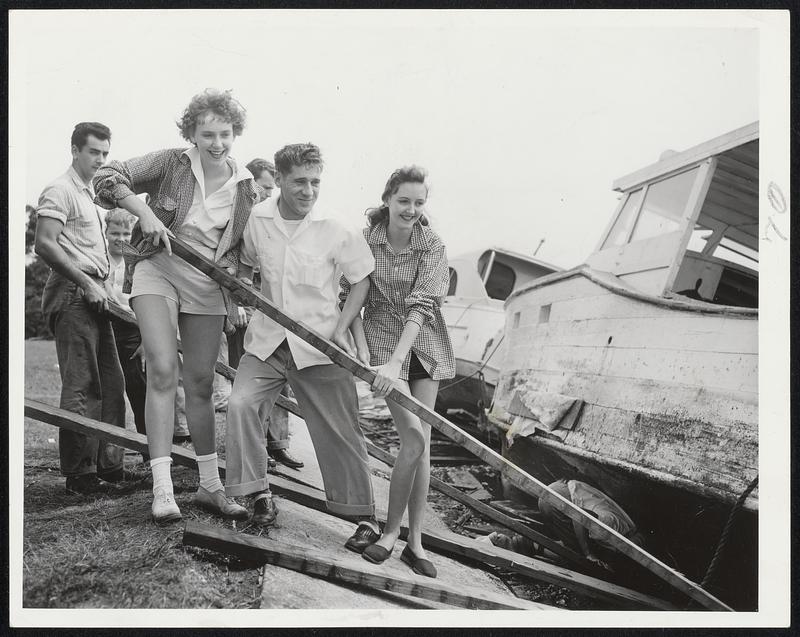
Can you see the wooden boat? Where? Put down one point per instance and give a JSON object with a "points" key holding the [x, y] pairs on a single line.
{"points": [[480, 282], [637, 371]]}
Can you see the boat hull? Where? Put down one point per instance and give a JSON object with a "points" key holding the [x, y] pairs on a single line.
{"points": [[660, 410]]}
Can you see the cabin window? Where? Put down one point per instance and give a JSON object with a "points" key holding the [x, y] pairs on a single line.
{"points": [[664, 205], [451, 288], [622, 226], [544, 313], [500, 282]]}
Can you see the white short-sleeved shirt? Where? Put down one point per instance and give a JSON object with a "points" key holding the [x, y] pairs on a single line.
{"points": [[208, 215], [83, 237], [300, 275]]}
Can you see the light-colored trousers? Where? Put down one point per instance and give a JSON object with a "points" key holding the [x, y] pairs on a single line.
{"points": [[326, 395]]}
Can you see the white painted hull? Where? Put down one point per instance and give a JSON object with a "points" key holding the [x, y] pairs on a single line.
{"points": [[671, 393]]}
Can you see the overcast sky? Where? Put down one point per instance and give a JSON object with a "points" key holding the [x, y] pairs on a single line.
{"points": [[523, 119]]}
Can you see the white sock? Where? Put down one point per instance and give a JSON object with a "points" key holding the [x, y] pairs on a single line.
{"points": [[209, 473], [161, 473]]}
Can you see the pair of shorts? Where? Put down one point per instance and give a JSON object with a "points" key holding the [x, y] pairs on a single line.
{"points": [[415, 369], [171, 277]]}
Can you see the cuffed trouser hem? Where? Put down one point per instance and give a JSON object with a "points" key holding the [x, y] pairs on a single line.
{"points": [[350, 510], [248, 488], [279, 444]]}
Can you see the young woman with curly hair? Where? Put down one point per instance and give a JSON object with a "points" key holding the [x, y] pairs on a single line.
{"points": [[403, 333], [200, 195]]}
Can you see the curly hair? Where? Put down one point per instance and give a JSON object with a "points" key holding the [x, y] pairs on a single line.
{"points": [[220, 103], [408, 174]]}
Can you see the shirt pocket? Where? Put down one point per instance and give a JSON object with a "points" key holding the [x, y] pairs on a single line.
{"points": [[309, 269]]}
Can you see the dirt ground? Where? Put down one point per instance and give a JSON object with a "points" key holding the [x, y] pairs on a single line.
{"points": [[86, 552], [104, 552]]}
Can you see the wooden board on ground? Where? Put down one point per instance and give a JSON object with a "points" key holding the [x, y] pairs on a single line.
{"points": [[313, 498], [246, 295], [351, 571]]}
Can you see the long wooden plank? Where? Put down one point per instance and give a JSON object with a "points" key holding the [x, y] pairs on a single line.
{"points": [[246, 295], [314, 498], [351, 571], [376, 452]]}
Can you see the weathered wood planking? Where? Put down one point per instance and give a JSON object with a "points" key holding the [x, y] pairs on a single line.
{"points": [[666, 330], [559, 549], [633, 394], [247, 296], [314, 498], [351, 571]]}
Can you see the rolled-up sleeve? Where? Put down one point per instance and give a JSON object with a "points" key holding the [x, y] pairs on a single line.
{"points": [[248, 254], [119, 179], [355, 257], [430, 287], [53, 203]]}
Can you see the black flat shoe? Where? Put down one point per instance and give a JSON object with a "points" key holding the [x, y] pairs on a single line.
{"points": [[417, 564], [362, 538], [376, 554]]}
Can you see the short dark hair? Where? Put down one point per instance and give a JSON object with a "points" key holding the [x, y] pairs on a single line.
{"points": [[258, 166], [297, 155], [82, 131]]}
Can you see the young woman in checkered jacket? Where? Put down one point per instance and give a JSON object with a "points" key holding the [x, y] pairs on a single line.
{"points": [[200, 195], [404, 335]]}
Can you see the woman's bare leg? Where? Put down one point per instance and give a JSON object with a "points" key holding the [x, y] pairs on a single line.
{"points": [[157, 317], [412, 449], [424, 390], [200, 337]]}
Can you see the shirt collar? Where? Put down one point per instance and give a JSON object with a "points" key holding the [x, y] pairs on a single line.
{"points": [[78, 181], [269, 210], [419, 236], [240, 173]]}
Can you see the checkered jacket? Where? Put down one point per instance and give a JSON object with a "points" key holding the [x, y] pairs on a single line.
{"points": [[408, 286], [166, 176]]}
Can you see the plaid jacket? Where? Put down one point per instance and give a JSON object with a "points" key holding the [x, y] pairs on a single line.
{"points": [[166, 176], [407, 286]]}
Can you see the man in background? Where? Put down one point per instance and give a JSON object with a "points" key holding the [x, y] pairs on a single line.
{"points": [[70, 238]]}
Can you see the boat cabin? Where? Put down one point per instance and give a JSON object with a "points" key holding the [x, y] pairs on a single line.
{"points": [[687, 226], [494, 273]]}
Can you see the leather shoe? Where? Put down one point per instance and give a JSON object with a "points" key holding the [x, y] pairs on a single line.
{"points": [[362, 538], [376, 554], [418, 564], [284, 457], [264, 511], [164, 508], [218, 503], [88, 484]]}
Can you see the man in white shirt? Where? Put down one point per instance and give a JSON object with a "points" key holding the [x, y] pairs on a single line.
{"points": [[70, 239], [301, 256]]}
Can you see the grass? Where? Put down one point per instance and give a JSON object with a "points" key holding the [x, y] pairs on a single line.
{"points": [[104, 552]]}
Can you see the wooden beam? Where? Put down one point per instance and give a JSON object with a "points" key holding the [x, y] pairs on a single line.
{"points": [[314, 498], [245, 295], [348, 570]]}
